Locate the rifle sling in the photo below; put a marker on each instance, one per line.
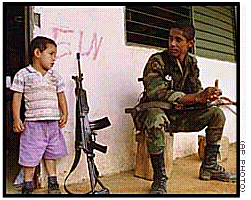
(74, 165)
(154, 104)
(168, 106)
(146, 105)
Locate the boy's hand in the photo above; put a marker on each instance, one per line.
(63, 121)
(18, 126)
(63, 108)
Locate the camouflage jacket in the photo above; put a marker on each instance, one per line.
(166, 80)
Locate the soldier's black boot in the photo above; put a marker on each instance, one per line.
(210, 170)
(27, 187)
(159, 174)
(53, 187)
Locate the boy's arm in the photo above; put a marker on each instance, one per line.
(16, 106)
(63, 107)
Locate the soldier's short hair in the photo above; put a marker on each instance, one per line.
(186, 26)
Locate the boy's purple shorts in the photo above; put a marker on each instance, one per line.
(41, 139)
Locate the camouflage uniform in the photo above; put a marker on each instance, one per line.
(164, 80)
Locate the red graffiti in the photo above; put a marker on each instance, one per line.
(94, 44)
(58, 30)
(60, 36)
(64, 46)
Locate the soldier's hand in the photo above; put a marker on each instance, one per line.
(209, 94)
(218, 91)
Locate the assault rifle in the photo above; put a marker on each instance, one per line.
(85, 136)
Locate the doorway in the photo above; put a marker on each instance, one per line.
(16, 40)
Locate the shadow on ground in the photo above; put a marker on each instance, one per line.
(184, 180)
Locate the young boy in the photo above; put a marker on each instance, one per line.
(45, 113)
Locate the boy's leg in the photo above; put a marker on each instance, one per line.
(29, 173)
(56, 148)
(28, 180)
(53, 187)
(31, 150)
(50, 166)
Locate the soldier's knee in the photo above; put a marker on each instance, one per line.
(154, 111)
(220, 114)
(156, 119)
(218, 117)
(154, 129)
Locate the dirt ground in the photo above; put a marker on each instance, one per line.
(184, 180)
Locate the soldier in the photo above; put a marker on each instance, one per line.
(173, 76)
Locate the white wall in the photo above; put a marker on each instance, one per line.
(110, 72)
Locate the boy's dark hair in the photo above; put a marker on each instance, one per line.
(41, 43)
(186, 26)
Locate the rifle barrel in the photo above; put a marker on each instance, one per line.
(80, 75)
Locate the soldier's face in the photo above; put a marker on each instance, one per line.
(178, 44)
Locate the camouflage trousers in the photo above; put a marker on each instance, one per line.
(158, 120)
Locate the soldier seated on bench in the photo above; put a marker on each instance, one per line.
(173, 76)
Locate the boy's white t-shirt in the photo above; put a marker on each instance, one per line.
(40, 93)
